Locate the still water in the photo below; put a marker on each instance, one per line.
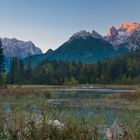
(81, 102)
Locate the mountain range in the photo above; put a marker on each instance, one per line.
(17, 48)
(83, 46)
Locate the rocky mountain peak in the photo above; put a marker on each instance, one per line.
(129, 27)
(17, 48)
(133, 41)
(96, 35)
(84, 34)
(81, 34)
(112, 32)
(120, 35)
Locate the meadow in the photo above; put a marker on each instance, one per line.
(65, 113)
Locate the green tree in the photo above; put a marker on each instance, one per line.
(2, 66)
(16, 74)
(4, 80)
(28, 71)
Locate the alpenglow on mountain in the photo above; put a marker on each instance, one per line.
(124, 36)
(20, 49)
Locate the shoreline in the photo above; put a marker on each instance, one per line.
(82, 86)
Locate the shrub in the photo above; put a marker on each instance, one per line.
(3, 82)
(71, 82)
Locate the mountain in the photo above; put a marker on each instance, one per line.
(49, 52)
(90, 47)
(82, 46)
(85, 47)
(123, 35)
(16, 48)
(35, 59)
(133, 41)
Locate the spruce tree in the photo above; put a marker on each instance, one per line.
(2, 67)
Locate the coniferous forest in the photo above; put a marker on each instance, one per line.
(122, 70)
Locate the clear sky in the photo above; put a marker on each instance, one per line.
(49, 23)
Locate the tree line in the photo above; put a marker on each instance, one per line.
(122, 70)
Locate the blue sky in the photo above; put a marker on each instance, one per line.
(49, 23)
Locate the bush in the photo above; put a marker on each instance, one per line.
(71, 82)
(138, 91)
(3, 82)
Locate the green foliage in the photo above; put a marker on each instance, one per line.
(3, 82)
(71, 82)
(138, 91)
(16, 72)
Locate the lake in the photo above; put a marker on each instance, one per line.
(81, 102)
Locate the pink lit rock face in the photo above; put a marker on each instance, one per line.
(130, 27)
(112, 33)
(118, 36)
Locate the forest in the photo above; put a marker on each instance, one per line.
(119, 70)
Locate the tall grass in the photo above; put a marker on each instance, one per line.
(18, 125)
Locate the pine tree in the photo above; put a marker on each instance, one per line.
(16, 71)
(28, 73)
(2, 67)
(12, 71)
